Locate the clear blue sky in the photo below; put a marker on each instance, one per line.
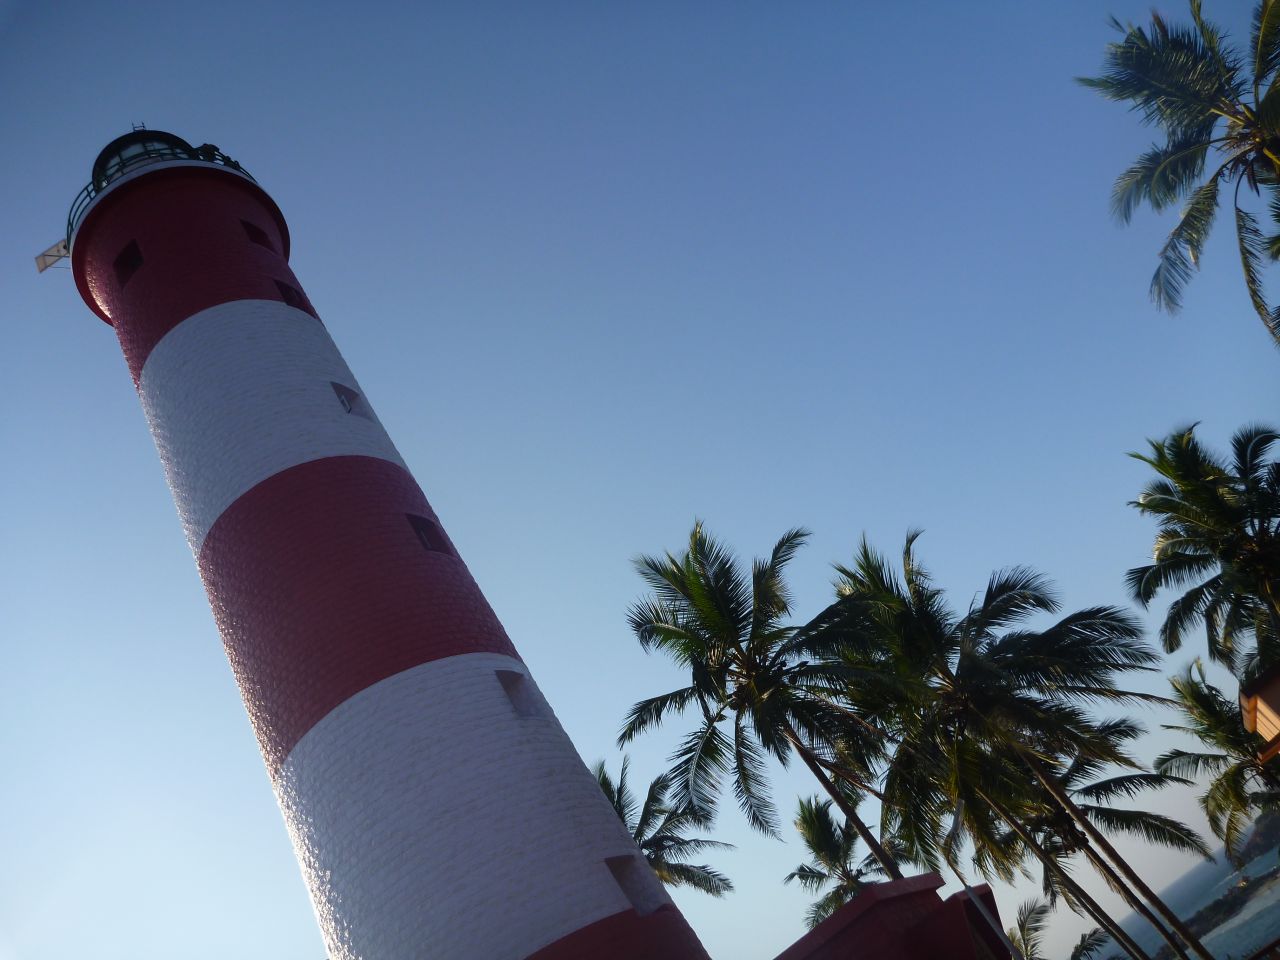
(602, 268)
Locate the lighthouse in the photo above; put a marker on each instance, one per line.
(436, 806)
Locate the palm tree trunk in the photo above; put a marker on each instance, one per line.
(1116, 883)
(1101, 917)
(850, 813)
(1098, 913)
(1095, 835)
(1091, 906)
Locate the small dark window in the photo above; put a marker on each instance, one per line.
(429, 533)
(519, 690)
(127, 262)
(351, 401)
(293, 296)
(257, 235)
(643, 891)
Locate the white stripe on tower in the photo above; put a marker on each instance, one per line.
(246, 389)
(436, 806)
(462, 859)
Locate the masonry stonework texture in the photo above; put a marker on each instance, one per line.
(436, 806)
(207, 385)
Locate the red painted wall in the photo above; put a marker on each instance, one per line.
(195, 252)
(321, 588)
(903, 920)
(659, 935)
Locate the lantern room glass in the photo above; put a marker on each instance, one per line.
(136, 149)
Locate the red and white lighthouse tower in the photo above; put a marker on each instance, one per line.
(436, 806)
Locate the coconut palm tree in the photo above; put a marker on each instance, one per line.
(991, 800)
(977, 704)
(1059, 835)
(660, 831)
(1218, 540)
(833, 860)
(1218, 110)
(755, 693)
(1241, 786)
(1059, 881)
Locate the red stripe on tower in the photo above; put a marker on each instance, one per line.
(353, 545)
(436, 806)
(183, 217)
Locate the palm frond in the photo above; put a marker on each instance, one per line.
(1253, 248)
(717, 592)
(1168, 75)
(1188, 765)
(1175, 569)
(699, 876)
(1161, 177)
(771, 598)
(1227, 805)
(1250, 445)
(1181, 251)
(1078, 656)
(654, 813)
(1028, 929)
(1264, 40)
(1197, 604)
(1127, 785)
(749, 784)
(670, 845)
(1090, 944)
(698, 764)
(829, 845)
(1011, 596)
(1267, 112)
(618, 792)
(1151, 827)
(649, 713)
(1226, 61)
(810, 879)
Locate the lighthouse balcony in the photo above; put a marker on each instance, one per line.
(126, 155)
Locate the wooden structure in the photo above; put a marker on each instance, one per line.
(1260, 708)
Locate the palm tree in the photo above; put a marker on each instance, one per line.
(1207, 99)
(1241, 786)
(1219, 537)
(755, 693)
(833, 860)
(1062, 883)
(977, 703)
(1059, 835)
(1027, 931)
(659, 830)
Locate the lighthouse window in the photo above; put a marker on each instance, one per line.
(519, 690)
(351, 400)
(257, 235)
(127, 262)
(429, 534)
(292, 296)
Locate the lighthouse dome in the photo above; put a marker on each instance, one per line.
(136, 148)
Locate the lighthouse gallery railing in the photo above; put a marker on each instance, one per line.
(155, 153)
